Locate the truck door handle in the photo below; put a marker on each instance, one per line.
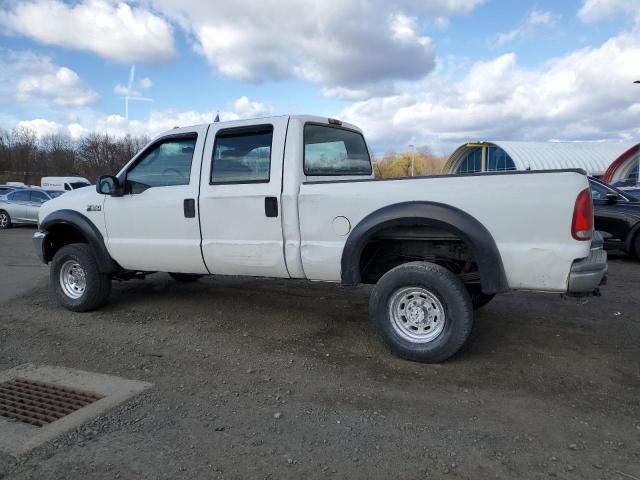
(271, 206)
(189, 208)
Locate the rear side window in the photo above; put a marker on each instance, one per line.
(20, 196)
(334, 151)
(242, 155)
(165, 164)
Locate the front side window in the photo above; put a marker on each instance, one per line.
(242, 155)
(335, 151)
(166, 164)
(38, 197)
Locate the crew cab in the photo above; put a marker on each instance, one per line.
(295, 197)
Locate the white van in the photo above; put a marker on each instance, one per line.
(63, 183)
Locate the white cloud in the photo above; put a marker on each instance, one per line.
(28, 76)
(43, 127)
(596, 10)
(344, 46)
(535, 21)
(567, 98)
(115, 31)
(135, 90)
(62, 85)
(157, 122)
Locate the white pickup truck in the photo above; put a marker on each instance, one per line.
(295, 197)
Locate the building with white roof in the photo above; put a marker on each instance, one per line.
(592, 157)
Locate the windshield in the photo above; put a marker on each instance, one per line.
(54, 193)
(75, 185)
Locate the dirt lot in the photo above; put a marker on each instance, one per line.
(275, 379)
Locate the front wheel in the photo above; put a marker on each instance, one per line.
(78, 284)
(422, 311)
(636, 246)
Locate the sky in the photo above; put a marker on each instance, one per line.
(429, 73)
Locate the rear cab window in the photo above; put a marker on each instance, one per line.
(334, 151)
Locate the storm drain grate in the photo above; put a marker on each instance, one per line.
(39, 403)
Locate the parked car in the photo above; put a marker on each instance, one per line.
(295, 197)
(617, 217)
(633, 191)
(5, 189)
(55, 193)
(63, 184)
(21, 206)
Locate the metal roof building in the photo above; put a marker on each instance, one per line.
(593, 157)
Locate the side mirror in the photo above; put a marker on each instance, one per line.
(613, 198)
(108, 185)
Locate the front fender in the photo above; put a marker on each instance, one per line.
(84, 227)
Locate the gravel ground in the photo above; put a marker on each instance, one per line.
(282, 379)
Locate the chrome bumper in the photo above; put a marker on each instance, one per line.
(38, 243)
(587, 274)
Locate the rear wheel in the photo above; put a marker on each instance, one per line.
(422, 311)
(5, 220)
(77, 282)
(185, 277)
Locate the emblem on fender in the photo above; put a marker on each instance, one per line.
(94, 208)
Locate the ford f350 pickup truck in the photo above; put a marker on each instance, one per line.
(295, 197)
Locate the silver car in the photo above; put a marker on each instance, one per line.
(21, 206)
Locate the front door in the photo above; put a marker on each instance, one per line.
(36, 199)
(240, 208)
(154, 225)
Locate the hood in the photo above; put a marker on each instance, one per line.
(77, 200)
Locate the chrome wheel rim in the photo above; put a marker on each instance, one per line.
(4, 220)
(73, 279)
(416, 314)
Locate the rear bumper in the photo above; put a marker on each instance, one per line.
(38, 243)
(587, 274)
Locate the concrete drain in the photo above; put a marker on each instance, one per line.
(39, 403)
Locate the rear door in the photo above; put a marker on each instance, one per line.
(240, 192)
(18, 201)
(154, 225)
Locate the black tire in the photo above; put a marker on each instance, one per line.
(97, 284)
(635, 246)
(479, 299)
(5, 220)
(440, 283)
(185, 277)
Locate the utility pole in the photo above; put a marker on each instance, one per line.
(413, 158)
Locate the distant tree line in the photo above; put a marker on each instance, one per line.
(400, 164)
(25, 157)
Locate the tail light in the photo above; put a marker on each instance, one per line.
(582, 223)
